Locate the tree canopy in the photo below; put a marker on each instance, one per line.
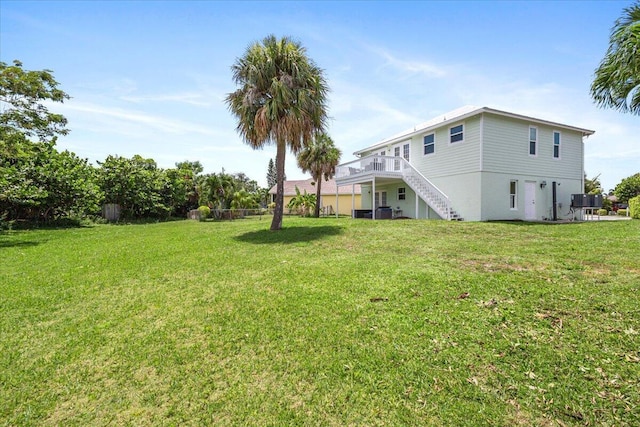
(617, 80)
(281, 100)
(320, 159)
(628, 188)
(21, 96)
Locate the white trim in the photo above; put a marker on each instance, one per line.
(434, 144)
(537, 141)
(481, 142)
(553, 145)
(449, 135)
(513, 196)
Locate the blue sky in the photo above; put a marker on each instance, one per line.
(150, 78)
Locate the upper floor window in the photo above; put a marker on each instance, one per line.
(456, 134)
(429, 144)
(405, 152)
(533, 140)
(556, 144)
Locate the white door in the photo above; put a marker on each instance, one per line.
(529, 201)
(381, 199)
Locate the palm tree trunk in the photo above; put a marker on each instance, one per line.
(318, 185)
(281, 151)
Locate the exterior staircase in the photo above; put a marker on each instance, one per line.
(433, 197)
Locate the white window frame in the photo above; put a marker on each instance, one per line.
(406, 151)
(432, 143)
(402, 195)
(559, 145)
(535, 142)
(513, 196)
(459, 133)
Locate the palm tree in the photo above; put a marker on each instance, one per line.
(281, 100)
(320, 159)
(617, 79)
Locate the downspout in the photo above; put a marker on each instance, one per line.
(554, 201)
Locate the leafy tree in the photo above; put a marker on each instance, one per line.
(21, 96)
(592, 186)
(136, 184)
(628, 188)
(38, 182)
(303, 202)
(281, 100)
(182, 187)
(320, 159)
(217, 190)
(271, 174)
(243, 200)
(617, 79)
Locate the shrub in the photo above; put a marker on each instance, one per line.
(602, 212)
(622, 212)
(634, 207)
(205, 211)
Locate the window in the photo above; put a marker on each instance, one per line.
(533, 140)
(456, 134)
(405, 152)
(513, 195)
(556, 144)
(429, 144)
(402, 193)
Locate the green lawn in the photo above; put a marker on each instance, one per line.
(328, 322)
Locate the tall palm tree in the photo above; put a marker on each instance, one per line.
(320, 159)
(281, 100)
(617, 80)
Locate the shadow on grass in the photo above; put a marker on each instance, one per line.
(530, 223)
(6, 242)
(289, 235)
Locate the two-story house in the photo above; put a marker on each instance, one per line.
(474, 163)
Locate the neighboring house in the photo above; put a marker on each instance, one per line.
(476, 164)
(348, 198)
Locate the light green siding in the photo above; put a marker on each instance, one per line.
(476, 173)
(506, 149)
(449, 159)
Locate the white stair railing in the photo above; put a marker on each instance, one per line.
(427, 191)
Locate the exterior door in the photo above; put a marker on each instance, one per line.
(381, 199)
(529, 201)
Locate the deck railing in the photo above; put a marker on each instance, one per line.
(389, 166)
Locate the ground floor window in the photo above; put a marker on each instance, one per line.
(513, 194)
(402, 193)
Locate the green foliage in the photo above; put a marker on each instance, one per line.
(205, 212)
(617, 79)
(137, 185)
(602, 212)
(304, 203)
(272, 178)
(37, 182)
(634, 207)
(243, 200)
(281, 99)
(21, 95)
(592, 186)
(622, 212)
(320, 158)
(628, 188)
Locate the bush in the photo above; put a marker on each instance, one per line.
(634, 207)
(622, 212)
(205, 211)
(602, 212)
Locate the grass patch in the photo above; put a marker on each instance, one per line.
(328, 322)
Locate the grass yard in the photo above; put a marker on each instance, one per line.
(331, 322)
